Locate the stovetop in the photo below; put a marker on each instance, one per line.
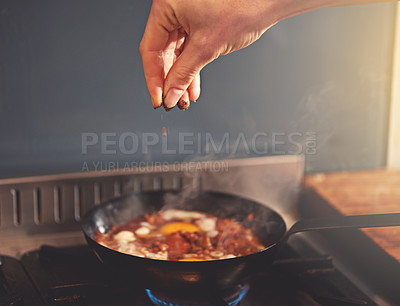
(42, 211)
(74, 276)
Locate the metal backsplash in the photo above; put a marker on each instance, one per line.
(48, 209)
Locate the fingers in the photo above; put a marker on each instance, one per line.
(169, 52)
(194, 88)
(171, 74)
(183, 72)
(184, 101)
(155, 39)
(180, 42)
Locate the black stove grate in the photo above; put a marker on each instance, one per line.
(16, 288)
(74, 276)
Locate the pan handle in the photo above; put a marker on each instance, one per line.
(359, 221)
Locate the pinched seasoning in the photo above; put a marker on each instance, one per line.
(181, 235)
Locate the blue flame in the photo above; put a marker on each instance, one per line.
(159, 302)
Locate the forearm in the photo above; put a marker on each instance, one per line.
(289, 8)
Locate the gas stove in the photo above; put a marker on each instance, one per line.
(74, 276)
(45, 261)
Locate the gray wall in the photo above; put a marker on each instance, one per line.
(72, 67)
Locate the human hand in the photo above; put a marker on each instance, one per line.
(181, 37)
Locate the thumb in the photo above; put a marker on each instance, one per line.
(189, 63)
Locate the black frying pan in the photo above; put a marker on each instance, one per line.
(174, 276)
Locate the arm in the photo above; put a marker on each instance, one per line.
(182, 36)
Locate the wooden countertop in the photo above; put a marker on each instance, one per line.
(364, 192)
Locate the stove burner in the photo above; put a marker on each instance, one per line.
(230, 296)
(74, 276)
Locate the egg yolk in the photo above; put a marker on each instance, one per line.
(191, 259)
(179, 226)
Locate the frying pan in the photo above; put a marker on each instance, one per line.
(177, 276)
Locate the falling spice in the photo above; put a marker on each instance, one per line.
(164, 131)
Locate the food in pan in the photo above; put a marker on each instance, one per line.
(182, 235)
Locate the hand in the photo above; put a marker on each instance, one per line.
(182, 36)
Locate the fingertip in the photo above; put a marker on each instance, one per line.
(156, 96)
(172, 97)
(184, 102)
(155, 104)
(167, 109)
(194, 88)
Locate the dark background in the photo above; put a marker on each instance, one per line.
(73, 67)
